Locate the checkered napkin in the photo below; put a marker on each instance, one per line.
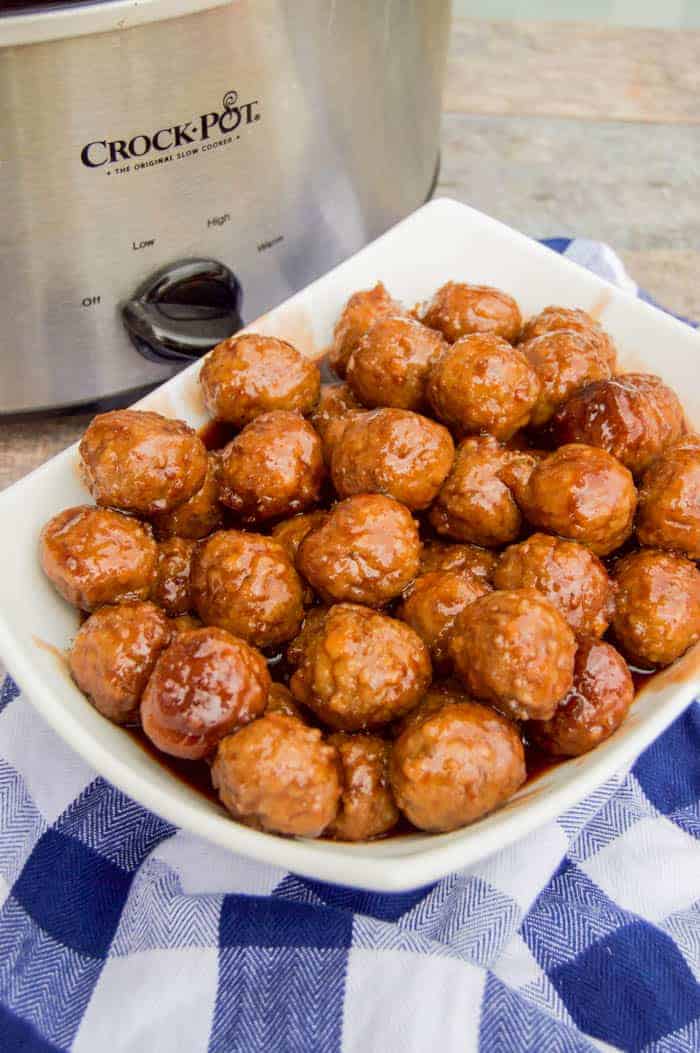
(119, 932)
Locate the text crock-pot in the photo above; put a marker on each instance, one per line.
(172, 167)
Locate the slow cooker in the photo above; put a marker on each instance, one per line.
(172, 168)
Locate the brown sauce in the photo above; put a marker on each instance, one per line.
(538, 763)
(216, 434)
(194, 774)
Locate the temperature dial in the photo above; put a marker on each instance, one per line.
(184, 310)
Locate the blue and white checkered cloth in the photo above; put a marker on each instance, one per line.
(120, 933)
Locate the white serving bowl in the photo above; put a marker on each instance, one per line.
(443, 240)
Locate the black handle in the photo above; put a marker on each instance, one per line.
(184, 310)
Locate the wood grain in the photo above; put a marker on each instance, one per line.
(632, 185)
(574, 70)
(25, 443)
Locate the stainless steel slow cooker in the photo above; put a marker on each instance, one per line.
(171, 168)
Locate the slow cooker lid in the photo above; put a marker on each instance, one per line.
(23, 22)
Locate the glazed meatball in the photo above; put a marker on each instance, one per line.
(442, 555)
(553, 318)
(273, 468)
(513, 649)
(395, 452)
(457, 310)
(245, 583)
(358, 669)
(569, 575)
(479, 500)
(482, 384)
(200, 515)
(290, 535)
(657, 606)
(456, 765)
(634, 416)
(367, 806)
(336, 406)
(278, 775)
(594, 708)
(360, 313)
(291, 532)
(564, 360)
(205, 685)
(247, 375)
(433, 604)
(390, 365)
(113, 656)
(584, 494)
(184, 623)
(368, 550)
(142, 462)
(440, 693)
(281, 700)
(668, 514)
(314, 620)
(94, 556)
(171, 589)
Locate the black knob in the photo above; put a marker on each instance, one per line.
(184, 310)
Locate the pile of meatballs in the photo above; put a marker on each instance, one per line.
(383, 587)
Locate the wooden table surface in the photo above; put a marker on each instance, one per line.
(556, 129)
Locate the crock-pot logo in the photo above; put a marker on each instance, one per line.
(207, 126)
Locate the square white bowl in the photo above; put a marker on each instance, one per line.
(443, 240)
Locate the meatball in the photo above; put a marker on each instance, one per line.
(634, 416)
(440, 693)
(313, 623)
(395, 452)
(336, 406)
(94, 556)
(290, 534)
(367, 806)
(358, 669)
(564, 360)
(482, 384)
(668, 514)
(456, 765)
(273, 468)
(278, 775)
(584, 494)
(569, 575)
(360, 313)
(513, 649)
(200, 515)
(441, 555)
(205, 685)
(457, 310)
(113, 656)
(245, 583)
(594, 708)
(142, 462)
(390, 365)
(281, 700)
(657, 606)
(368, 550)
(573, 318)
(434, 602)
(250, 374)
(478, 502)
(183, 623)
(171, 589)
